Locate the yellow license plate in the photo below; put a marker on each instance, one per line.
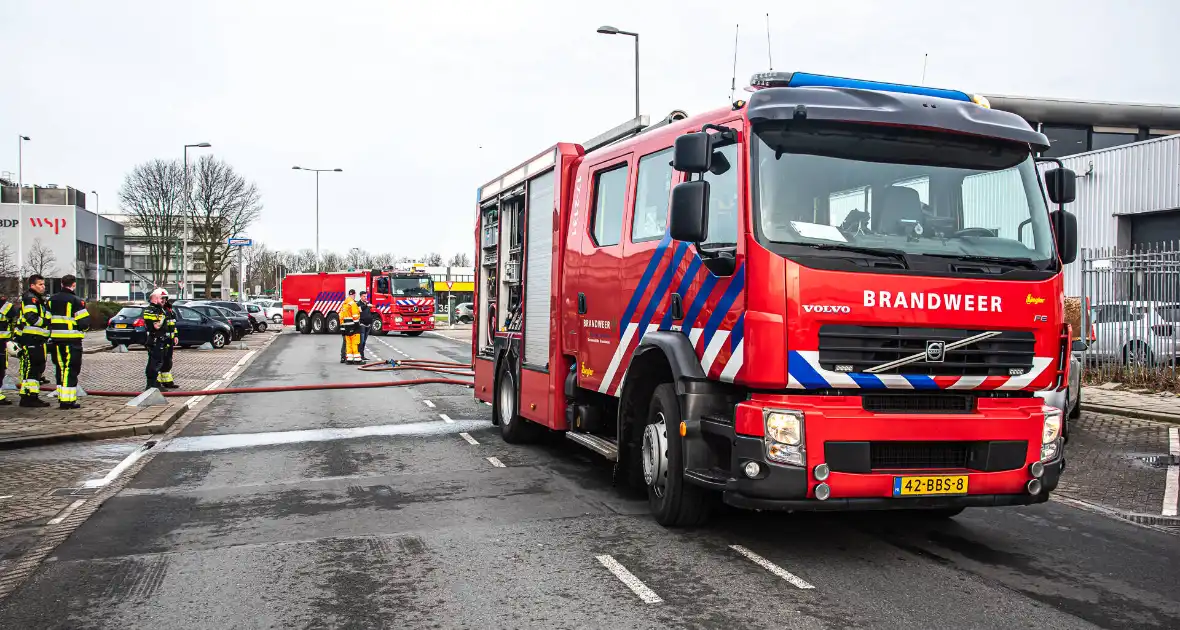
(943, 484)
(120, 325)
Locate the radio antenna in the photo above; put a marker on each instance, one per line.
(733, 79)
(769, 58)
(925, 58)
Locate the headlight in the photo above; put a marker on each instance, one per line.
(1052, 427)
(981, 100)
(785, 427)
(398, 319)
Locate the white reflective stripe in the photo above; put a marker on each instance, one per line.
(34, 330)
(711, 352)
(1022, 381)
(735, 362)
(624, 343)
(694, 335)
(82, 313)
(894, 381)
(968, 382)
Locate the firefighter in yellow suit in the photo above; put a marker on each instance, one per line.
(350, 321)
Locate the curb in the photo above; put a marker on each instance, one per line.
(159, 426)
(1167, 524)
(437, 335)
(1131, 412)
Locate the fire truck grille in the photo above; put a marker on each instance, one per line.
(844, 348)
(918, 403)
(912, 455)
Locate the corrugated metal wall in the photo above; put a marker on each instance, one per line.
(1131, 179)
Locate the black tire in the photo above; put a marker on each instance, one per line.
(302, 324)
(513, 428)
(375, 327)
(317, 323)
(261, 327)
(1137, 353)
(673, 501)
(333, 324)
(277, 319)
(414, 333)
(218, 339)
(464, 319)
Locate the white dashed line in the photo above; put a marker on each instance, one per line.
(772, 567)
(66, 512)
(445, 417)
(7, 496)
(627, 578)
(495, 461)
(428, 403)
(466, 436)
(1172, 478)
(487, 403)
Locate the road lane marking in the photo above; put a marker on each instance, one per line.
(7, 496)
(1172, 478)
(117, 470)
(772, 567)
(199, 443)
(445, 418)
(61, 516)
(428, 404)
(495, 461)
(629, 580)
(466, 436)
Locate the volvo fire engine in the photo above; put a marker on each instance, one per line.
(841, 294)
(402, 299)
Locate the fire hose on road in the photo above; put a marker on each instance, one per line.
(441, 367)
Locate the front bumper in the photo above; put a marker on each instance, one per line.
(1004, 439)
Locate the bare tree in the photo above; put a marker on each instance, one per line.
(153, 195)
(358, 259)
(41, 260)
(9, 272)
(224, 205)
(460, 260)
(330, 261)
(381, 261)
(303, 261)
(433, 259)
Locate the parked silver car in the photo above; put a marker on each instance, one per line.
(272, 308)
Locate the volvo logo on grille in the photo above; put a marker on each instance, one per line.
(935, 351)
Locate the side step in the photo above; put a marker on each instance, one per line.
(602, 446)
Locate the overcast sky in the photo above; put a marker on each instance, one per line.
(421, 102)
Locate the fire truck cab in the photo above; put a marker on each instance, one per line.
(841, 294)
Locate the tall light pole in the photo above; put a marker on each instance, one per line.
(188, 208)
(20, 207)
(610, 30)
(317, 172)
(97, 247)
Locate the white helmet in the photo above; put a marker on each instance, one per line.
(157, 296)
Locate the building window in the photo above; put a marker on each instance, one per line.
(1065, 140)
(1106, 140)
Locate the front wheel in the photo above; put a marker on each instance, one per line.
(261, 327)
(333, 324)
(302, 324)
(277, 319)
(375, 326)
(218, 340)
(673, 501)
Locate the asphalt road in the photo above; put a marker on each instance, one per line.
(377, 513)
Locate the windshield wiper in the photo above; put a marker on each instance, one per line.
(895, 254)
(1011, 262)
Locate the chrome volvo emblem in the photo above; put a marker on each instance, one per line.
(935, 351)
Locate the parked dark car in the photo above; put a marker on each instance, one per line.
(237, 308)
(194, 329)
(127, 327)
(239, 321)
(257, 316)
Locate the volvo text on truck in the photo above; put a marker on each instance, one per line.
(402, 299)
(840, 294)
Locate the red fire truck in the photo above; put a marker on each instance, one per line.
(841, 294)
(402, 299)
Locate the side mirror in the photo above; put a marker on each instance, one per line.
(1079, 346)
(1065, 229)
(693, 153)
(689, 214)
(1062, 185)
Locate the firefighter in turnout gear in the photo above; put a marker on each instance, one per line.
(68, 322)
(32, 333)
(165, 378)
(8, 315)
(350, 322)
(157, 337)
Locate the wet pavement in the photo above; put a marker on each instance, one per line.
(380, 514)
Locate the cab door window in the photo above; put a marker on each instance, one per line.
(652, 193)
(610, 200)
(723, 199)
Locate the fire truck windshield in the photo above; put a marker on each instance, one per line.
(907, 192)
(416, 286)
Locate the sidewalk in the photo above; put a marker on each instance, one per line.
(1163, 407)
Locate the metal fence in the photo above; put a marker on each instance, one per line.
(1132, 314)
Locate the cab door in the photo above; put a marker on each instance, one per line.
(599, 301)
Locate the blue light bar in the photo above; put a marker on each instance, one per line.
(804, 79)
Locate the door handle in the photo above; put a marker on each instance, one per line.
(581, 303)
(676, 307)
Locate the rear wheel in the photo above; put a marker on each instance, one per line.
(218, 339)
(317, 323)
(1137, 354)
(261, 327)
(277, 319)
(333, 324)
(302, 324)
(375, 327)
(513, 428)
(673, 501)
(464, 319)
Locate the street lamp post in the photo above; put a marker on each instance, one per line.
(97, 247)
(610, 30)
(188, 208)
(20, 207)
(317, 172)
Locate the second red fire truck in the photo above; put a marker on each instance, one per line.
(841, 294)
(402, 299)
